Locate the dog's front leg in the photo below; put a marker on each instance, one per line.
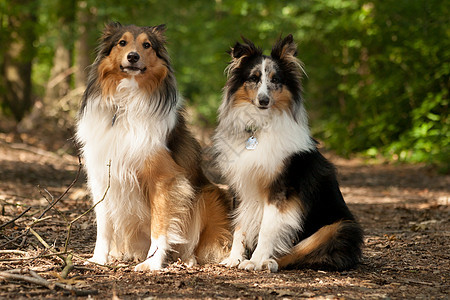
(237, 249)
(104, 236)
(275, 236)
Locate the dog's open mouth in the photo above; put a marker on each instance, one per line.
(132, 69)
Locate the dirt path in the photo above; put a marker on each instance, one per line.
(403, 209)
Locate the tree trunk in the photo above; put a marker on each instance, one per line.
(83, 49)
(17, 62)
(58, 86)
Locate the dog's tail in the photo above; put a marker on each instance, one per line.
(336, 246)
(215, 234)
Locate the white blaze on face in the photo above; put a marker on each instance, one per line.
(263, 89)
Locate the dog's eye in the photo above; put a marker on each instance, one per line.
(146, 45)
(123, 43)
(275, 80)
(253, 78)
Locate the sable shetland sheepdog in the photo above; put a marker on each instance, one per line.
(290, 211)
(135, 142)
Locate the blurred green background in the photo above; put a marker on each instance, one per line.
(378, 71)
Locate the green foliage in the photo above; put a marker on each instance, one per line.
(378, 71)
(391, 73)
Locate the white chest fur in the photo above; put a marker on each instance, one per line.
(123, 130)
(278, 136)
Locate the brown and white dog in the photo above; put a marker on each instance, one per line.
(290, 211)
(134, 140)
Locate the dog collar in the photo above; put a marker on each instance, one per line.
(252, 141)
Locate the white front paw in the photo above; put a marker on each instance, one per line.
(149, 264)
(251, 265)
(232, 261)
(98, 259)
(247, 265)
(190, 262)
(270, 264)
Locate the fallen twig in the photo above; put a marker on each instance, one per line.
(37, 279)
(47, 246)
(10, 275)
(410, 280)
(31, 149)
(12, 241)
(69, 227)
(19, 259)
(51, 201)
(68, 266)
(24, 233)
(13, 252)
(15, 219)
(80, 165)
(40, 239)
(51, 205)
(66, 256)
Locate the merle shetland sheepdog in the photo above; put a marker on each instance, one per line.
(290, 211)
(138, 150)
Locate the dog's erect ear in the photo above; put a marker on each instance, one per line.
(158, 31)
(106, 40)
(240, 52)
(244, 50)
(110, 29)
(159, 28)
(237, 50)
(284, 48)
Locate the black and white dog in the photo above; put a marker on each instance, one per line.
(290, 210)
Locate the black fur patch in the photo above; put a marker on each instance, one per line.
(312, 177)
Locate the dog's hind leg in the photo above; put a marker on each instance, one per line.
(215, 232)
(159, 233)
(170, 196)
(335, 246)
(160, 218)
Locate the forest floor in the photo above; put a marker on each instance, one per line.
(404, 210)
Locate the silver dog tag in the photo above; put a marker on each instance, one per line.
(251, 143)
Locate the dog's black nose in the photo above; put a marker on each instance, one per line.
(263, 100)
(133, 57)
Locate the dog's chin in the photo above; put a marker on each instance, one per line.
(131, 70)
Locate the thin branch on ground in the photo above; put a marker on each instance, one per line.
(80, 166)
(15, 219)
(51, 201)
(25, 233)
(37, 279)
(69, 227)
(68, 266)
(17, 259)
(13, 252)
(65, 255)
(12, 241)
(50, 206)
